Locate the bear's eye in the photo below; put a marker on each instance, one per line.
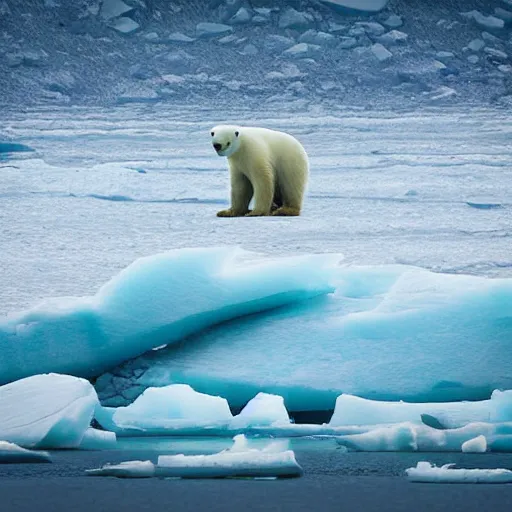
(212, 134)
(236, 134)
(227, 144)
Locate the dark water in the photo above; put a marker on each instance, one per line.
(333, 480)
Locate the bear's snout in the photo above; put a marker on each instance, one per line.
(217, 146)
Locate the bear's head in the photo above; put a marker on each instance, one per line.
(225, 139)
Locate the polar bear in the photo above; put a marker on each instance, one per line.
(272, 166)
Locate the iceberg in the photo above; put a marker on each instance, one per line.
(475, 445)
(422, 438)
(353, 410)
(178, 402)
(387, 333)
(156, 300)
(238, 461)
(262, 410)
(427, 472)
(95, 439)
(11, 453)
(128, 469)
(47, 411)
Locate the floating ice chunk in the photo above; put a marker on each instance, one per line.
(301, 50)
(444, 55)
(393, 37)
(427, 472)
(263, 410)
(292, 18)
(156, 406)
(207, 29)
(318, 38)
(503, 14)
(393, 21)
(47, 411)
(484, 21)
(113, 8)
(353, 410)
(505, 68)
(473, 59)
(156, 300)
(398, 438)
(475, 445)
(476, 45)
(359, 5)
(496, 54)
(347, 42)
(124, 25)
(95, 439)
(178, 37)
(230, 464)
(11, 453)
(237, 461)
(128, 469)
(381, 52)
(242, 16)
(415, 437)
(371, 27)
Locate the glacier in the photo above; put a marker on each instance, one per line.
(386, 333)
(155, 301)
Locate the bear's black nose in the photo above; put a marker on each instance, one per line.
(217, 146)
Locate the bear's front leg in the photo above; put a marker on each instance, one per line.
(263, 183)
(241, 193)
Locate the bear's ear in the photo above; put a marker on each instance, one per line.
(212, 134)
(237, 134)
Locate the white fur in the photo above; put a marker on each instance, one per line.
(270, 165)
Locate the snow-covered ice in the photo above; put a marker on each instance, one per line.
(47, 411)
(154, 301)
(11, 453)
(427, 472)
